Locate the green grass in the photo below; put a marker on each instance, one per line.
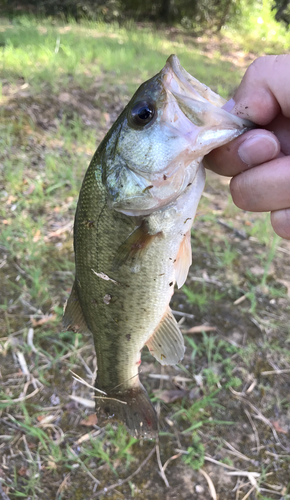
(256, 29)
(41, 54)
(46, 143)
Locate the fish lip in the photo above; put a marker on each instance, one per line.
(197, 100)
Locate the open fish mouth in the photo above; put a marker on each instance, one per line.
(202, 107)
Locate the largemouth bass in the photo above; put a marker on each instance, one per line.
(132, 233)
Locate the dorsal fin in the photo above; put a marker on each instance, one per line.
(167, 344)
(183, 260)
(73, 317)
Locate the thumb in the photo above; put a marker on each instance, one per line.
(280, 220)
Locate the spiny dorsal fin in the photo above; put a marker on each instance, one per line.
(134, 246)
(167, 344)
(73, 317)
(183, 260)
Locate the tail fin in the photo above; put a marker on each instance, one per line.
(133, 408)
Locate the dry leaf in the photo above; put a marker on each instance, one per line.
(51, 464)
(90, 420)
(23, 471)
(43, 320)
(199, 329)
(29, 190)
(277, 427)
(170, 395)
(37, 236)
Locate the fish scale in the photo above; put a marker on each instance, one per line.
(132, 234)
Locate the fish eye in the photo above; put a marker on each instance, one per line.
(142, 113)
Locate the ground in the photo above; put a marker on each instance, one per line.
(224, 410)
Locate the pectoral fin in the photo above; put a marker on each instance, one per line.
(167, 344)
(73, 318)
(134, 246)
(183, 260)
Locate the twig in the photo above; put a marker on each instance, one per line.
(120, 483)
(184, 315)
(161, 468)
(241, 234)
(276, 372)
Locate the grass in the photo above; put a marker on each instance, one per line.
(63, 86)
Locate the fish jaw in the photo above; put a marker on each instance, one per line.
(148, 168)
(213, 125)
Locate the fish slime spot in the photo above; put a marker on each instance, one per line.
(107, 299)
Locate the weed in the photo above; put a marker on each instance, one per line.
(195, 453)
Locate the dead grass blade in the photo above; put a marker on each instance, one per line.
(210, 484)
(249, 492)
(174, 457)
(82, 401)
(254, 428)
(82, 381)
(22, 398)
(276, 372)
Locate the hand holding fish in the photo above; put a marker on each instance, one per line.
(259, 161)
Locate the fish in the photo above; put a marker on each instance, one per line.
(132, 234)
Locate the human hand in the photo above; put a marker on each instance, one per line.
(259, 160)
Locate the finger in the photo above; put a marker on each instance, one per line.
(264, 90)
(263, 188)
(253, 148)
(280, 126)
(281, 223)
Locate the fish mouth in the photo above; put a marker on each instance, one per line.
(203, 107)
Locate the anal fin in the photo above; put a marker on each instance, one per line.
(167, 344)
(73, 317)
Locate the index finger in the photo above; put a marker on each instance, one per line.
(264, 90)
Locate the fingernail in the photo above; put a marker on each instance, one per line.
(228, 106)
(258, 149)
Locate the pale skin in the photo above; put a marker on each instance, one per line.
(259, 160)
